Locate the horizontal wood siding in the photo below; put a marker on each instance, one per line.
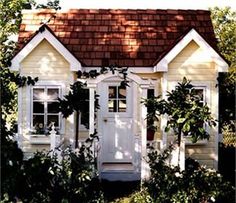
(195, 64)
(46, 63)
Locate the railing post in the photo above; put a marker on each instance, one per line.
(143, 110)
(53, 137)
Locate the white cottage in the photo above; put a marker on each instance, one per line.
(159, 47)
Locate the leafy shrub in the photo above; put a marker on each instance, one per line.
(141, 196)
(195, 184)
(45, 178)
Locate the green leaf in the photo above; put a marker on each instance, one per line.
(186, 127)
(167, 128)
(181, 120)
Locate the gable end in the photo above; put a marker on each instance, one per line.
(45, 33)
(192, 35)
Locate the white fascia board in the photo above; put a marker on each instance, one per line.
(75, 65)
(162, 65)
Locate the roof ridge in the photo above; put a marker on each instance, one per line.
(27, 11)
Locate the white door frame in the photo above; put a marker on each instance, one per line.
(143, 85)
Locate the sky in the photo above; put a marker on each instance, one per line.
(144, 4)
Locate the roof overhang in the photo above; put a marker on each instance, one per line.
(162, 65)
(45, 33)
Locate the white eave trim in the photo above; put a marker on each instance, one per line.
(75, 65)
(162, 66)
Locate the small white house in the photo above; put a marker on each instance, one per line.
(159, 47)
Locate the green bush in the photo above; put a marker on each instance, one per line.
(195, 184)
(45, 178)
(141, 196)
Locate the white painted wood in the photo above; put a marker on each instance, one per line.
(75, 65)
(91, 109)
(53, 140)
(164, 117)
(143, 111)
(130, 69)
(162, 66)
(117, 128)
(39, 139)
(20, 122)
(29, 98)
(109, 76)
(215, 109)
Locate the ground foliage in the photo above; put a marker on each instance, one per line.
(46, 178)
(194, 184)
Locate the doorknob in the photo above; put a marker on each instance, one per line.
(105, 120)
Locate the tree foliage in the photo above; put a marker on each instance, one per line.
(186, 114)
(11, 155)
(224, 23)
(194, 184)
(55, 4)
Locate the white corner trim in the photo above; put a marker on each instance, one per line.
(162, 66)
(75, 65)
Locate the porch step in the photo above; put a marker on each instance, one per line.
(106, 167)
(119, 172)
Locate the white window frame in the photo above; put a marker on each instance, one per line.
(206, 98)
(29, 102)
(45, 114)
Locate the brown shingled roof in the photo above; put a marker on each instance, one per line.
(122, 37)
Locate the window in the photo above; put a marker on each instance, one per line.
(117, 99)
(200, 91)
(45, 108)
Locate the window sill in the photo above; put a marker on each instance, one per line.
(189, 142)
(39, 139)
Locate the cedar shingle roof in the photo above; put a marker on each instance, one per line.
(122, 37)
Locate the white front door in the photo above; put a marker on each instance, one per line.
(116, 122)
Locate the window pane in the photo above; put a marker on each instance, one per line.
(38, 107)
(38, 93)
(122, 106)
(122, 92)
(52, 107)
(38, 121)
(199, 93)
(112, 106)
(53, 118)
(112, 92)
(53, 94)
(150, 93)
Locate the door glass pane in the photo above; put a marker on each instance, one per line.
(52, 118)
(122, 92)
(112, 106)
(53, 94)
(38, 107)
(53, 107)
(38, 94)
(112, 92)
(122, 106)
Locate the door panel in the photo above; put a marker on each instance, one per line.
(116, 122)
(117, 140)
